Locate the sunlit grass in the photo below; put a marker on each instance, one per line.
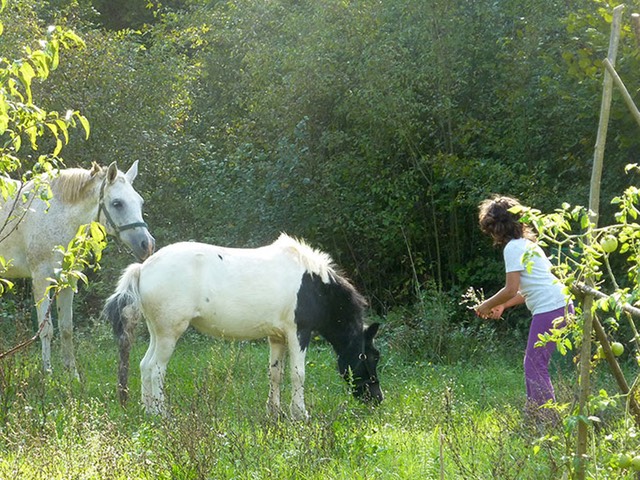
(462, 420)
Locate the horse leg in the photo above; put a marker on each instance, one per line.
(45, 325)
(145, 371)
(64, 301)
(296, 361)
(154, 372)
(276, 369)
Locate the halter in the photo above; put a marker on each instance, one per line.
(103, 208)
(372, 378)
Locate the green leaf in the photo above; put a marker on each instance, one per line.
(97, 231)
(74, 38)
(53, 127)
(58, 147)
(32, 133)
(26, 74)
(4, 122)
(40, 61)
(54, 53)
(85, 125)
(584, 221)
(62, 125)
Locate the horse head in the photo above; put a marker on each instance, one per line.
(120, 211)
(360, 368)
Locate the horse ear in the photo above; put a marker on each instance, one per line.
(112, 172)
(371, 331)
(132, 173)
(95, 169)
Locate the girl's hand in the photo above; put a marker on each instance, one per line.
(496, 312)
(482, 311)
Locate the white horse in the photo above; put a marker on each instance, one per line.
(30, 228)
(284, 291)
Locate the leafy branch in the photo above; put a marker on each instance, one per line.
(83, 252)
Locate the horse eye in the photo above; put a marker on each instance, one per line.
(116, 204)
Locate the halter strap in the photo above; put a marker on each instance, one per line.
(363, 358)
(102, 208)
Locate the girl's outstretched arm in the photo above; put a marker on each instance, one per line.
(506, 295)
(496, 312)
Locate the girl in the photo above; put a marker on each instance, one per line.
(529, 280)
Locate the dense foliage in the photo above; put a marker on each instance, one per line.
(372, 129)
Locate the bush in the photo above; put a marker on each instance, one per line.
(435, 329)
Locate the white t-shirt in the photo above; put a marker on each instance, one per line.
(541, 290)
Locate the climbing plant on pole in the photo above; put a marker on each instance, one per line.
(583, 264)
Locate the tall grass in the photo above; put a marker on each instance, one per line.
(459, 419)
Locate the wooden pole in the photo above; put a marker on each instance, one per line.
(582, 442)
(634, 407)
(605, 108)
(635, 23)
(586, 289)
(623, 90)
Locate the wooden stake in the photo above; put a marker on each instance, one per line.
(635, 22)
(623, 90)
(582, 442)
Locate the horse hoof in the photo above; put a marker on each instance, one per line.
(300, 416)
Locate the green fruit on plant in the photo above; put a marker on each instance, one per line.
(635, 462)
(617, 348)
(609, 243)
(624, 460)
(600, 352)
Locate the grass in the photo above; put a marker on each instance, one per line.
(461, 420)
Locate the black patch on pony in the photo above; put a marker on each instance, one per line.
(335, 310)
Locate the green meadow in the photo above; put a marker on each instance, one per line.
(458, 419)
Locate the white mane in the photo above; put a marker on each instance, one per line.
(70, 185)
(314, 261)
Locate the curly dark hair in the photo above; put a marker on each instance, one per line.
(501, 224)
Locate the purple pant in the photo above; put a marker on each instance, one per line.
(536, 359)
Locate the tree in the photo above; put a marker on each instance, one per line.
(22, 127)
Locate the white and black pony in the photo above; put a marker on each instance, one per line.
(284, 291)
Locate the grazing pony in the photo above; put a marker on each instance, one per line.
(283, 291)
(31, 226)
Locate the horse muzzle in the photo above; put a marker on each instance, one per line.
(369, 392)
(139, 241)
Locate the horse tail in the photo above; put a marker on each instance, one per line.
(123, 310)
